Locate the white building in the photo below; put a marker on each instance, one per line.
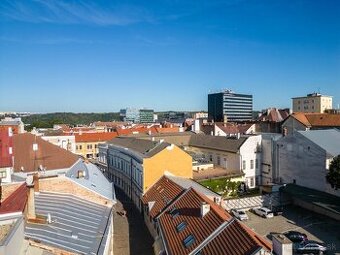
(304, 158)
(241, 153)
(67, 142)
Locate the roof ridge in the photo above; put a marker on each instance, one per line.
(217, 209)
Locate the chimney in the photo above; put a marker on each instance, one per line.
(30, 202)
(205, 208)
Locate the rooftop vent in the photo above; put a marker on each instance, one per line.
(205, 208)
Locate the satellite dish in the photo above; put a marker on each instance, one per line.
(29, 180)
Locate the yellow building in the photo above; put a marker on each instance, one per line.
(134, 165)
(314, 102)
(87, 143)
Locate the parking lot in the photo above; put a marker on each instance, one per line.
(315, 226)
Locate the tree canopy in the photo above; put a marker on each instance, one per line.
(333, 176)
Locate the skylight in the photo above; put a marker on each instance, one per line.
(189, 240)
(174, 212)
(181, 226)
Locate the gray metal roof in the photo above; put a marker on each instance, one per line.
(93, 179)
(188, 183)
(328, 139)
(146, 148)
(10, 122)
(221, 143)
(77, 225)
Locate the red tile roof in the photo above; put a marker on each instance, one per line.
(274, 115)
(323, 119)
(317, 119)
(235, 239)
(188, 205)
(167, 129)
(48, 155)
(95, 137)
(16, 201)
(233, 128)
(139, 130)
(161, 193)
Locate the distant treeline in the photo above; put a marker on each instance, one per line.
(49, 119)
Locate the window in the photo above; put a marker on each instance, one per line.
(3, 174)
(251, 164)
(174, 212)
(252, 182)
(210, 158)
(76, 147)
(218, 160)
(189, 240)
(256, 163)
(80, 147)
(244, 165)
(181, 226)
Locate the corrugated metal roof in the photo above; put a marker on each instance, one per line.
(93, 179)
(328, 139)
(77, 225)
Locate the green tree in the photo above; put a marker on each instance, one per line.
(333, 176)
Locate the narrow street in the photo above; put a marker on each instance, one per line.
(131, 236)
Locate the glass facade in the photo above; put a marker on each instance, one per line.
(235, 107)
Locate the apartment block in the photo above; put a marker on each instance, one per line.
(314, 102)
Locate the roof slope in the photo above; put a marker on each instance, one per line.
(16, 201)
(95, 137)
(188, 206)
(163, 192)
(77, 225)
(93, 179)
(217, 142)
(235, 239)
(146, 148)
(301, 117)
(48, 155)
(328, 139)
(323, 119)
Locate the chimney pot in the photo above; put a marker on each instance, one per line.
(205, 208)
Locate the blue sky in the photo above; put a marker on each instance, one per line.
(100, 56)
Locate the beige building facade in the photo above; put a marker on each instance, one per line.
(314, 102)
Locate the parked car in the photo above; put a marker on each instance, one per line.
(240, 214)
(312, 247)
(296, 236)
(277, 210)
(263, 212)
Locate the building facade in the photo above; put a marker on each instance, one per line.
(134, 165)
(304, 158)
(229, 106)
(67, 142)
(146, 116)
(241, 154)
(314, 102)
(6, 153)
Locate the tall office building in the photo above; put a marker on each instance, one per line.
(229, 106)
(146, 116)
(314, 102)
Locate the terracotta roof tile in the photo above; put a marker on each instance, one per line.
(323, 119)
(161, 194)
(95, 137)
(188, 205)
(48, 155)
(301, 117)
(16, 201)
(235, 239)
